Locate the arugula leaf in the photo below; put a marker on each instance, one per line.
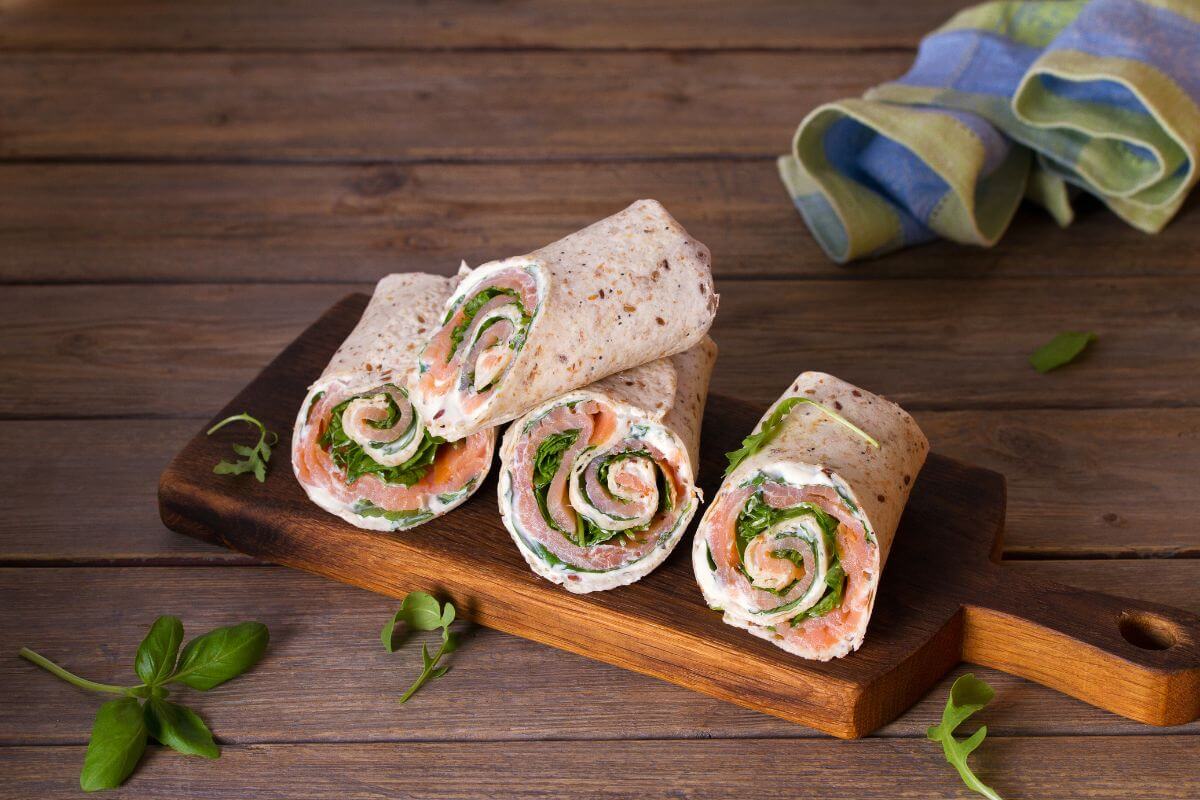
(122, 726)
(254, 459)
(835, 579)
(757, 441)
(179, 728)
(422, 612)
(406, 517)
(967, 695)
(221, 654)
(117, 743)
(1062, 349)
(355, 462)
(155, 659)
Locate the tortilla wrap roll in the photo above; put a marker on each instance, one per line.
(597, 486)
(359, 448)
(625, 291)
(792, 546)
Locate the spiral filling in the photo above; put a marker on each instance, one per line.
(592, 491)
(379, 433)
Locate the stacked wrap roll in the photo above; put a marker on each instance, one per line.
(360, 449)
(597, 486)
(628, 290)
(792, 546)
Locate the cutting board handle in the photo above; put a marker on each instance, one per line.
(1137, 659)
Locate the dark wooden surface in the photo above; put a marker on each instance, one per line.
(250, 153)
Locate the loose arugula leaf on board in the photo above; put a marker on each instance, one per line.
(117, 743)
(179, 728)
(422, 612)
(1062, 349)
(254, 459)
(221, 654)
(967, 695)
(757, 441)
(156, 654)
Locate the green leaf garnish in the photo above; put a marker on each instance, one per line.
(967, 695)
(1062, 349)
(422, 612)
(405, 518)
(757, 441)
(122, 726)
(254, 459)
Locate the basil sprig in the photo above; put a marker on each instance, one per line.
(123, 725)
(253, 459)
(422, 612)
(757, 441)
(354, 461)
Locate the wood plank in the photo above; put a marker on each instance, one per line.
(408, 106)
(1077, 484)
(1061, 768)
(356, 24)
(109, 471)
(184, 350)
(212, 223)
(501, 687)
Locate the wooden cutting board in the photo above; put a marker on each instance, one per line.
(943, 599)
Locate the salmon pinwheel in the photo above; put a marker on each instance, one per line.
(360, 449)
(597, 486)
(625, 291)
(792, 546)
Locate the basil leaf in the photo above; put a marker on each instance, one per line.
(421, 612)
(1062, 349)
(967, 695)
(770, 427)
(155, 660)
(117, 743)
(221, 654)
(179, 728)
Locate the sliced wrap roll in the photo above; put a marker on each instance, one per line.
(792, 546)
(623, 292)
(359, 448)
(597, 486)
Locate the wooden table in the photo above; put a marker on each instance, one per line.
(183, 187)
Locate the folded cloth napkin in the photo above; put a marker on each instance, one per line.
(1010, 99)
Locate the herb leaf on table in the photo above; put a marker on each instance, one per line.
(967, 695)
(420, 611)
(1062, 349)
(123, 725)
(254, 459)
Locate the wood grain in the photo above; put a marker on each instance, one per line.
(410, 106)
(1059, 768)
(930, 345)
(501, 687)
(379, 24)
(221, 223)
(944, 598)
(1093, 483)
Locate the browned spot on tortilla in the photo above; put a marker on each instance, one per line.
(660, 320)
(856, 393)
(629, 309)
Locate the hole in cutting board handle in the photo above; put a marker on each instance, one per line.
(1148, 631)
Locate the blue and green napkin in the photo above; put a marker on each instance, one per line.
(1010, 99)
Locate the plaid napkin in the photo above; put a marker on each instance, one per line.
(1011, 99)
